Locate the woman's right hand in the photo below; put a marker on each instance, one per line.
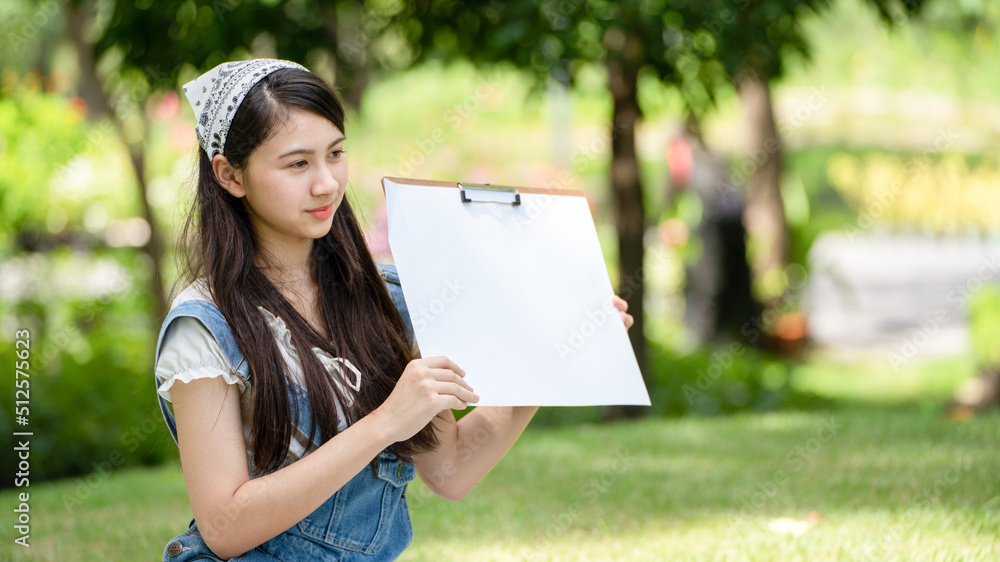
(428, 386)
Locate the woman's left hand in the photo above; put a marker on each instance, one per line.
(622, 306)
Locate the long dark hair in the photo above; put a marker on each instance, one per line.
(355, 306)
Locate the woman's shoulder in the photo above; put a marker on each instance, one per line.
(199, 291)
(196, 290)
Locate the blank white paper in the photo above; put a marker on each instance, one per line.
(518, 296)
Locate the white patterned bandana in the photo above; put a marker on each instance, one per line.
(216, 95)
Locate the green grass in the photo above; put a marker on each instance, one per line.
(877, 380)
(890, 484)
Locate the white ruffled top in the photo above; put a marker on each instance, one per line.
(189, 351)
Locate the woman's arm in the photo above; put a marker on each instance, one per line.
(471, 447)
(235, 513)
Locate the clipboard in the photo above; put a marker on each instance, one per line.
(511, 284)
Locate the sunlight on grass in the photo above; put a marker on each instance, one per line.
(888, 484)
(878, 380)
(128, 515)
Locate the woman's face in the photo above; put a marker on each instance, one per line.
(294, 182)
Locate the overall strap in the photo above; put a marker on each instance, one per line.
(391, 278)
(209, 315)
(212, 318)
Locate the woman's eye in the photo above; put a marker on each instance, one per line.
(298, 164)
(337, 153)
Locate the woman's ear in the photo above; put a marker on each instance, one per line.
(228, 177)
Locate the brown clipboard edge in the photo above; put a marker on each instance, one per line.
(433, 183)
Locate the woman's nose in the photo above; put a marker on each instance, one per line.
(326, 182)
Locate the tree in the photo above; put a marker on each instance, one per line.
(697, 47)
(329, 37)
(753, 42)
(624, 37)
(676, 43)
(156, 44)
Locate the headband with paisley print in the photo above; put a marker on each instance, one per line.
(216, 95)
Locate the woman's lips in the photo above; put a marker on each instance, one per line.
(322, 212)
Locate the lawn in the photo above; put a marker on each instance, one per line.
(889, 483)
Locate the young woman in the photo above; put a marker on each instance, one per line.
(302, 405)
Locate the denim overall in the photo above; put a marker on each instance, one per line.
(366, 519)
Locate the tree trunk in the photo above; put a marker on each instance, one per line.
(764, 214)
(355, 80)
(350, 60)
(154, 247)
(91, 89)
(76, 20)
(630, 216)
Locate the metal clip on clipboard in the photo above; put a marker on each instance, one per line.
(485, 186)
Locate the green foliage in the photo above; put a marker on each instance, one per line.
(92, 403)
(28, 31)
(726, 380)
(154, 37)
(723, 380)
(827, 211)
(172, 42)
(984, 324)
(39, 134)
(698, 47)
(677, 43)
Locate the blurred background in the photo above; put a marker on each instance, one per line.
(800, 200)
